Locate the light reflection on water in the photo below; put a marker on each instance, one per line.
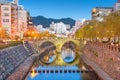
(33, 73)
(68, 55)
(56, 76)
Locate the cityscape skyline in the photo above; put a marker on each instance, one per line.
(62, 8)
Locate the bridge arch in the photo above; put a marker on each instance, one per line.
(47, 44)
(48, 52)
(68, 51)
(69, 44)
(58, 43)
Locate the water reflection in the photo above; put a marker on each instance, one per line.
(56, 73)
(68, 55)
(33, 73)
(49, 58)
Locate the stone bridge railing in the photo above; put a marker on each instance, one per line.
(106, 56)
(57, 42)
(105, 46)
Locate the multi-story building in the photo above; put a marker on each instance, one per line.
(59, 28)
(9, 18)
(67, 27)
(14, 19)
(22, 21)
(29, 20)
(78, 24)
(99, 12)
(39, 28)
(117, 6)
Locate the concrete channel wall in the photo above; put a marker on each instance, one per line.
(107, 57)
(12, 58)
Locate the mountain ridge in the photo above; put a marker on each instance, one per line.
(41, 20)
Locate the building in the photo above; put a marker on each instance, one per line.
(52, 26)
(9, 18)
(22, 21)
(14, 19)
(68, 27)
(29, 20)
(99, 12)
(16, 2)
(78, 23)
(117, 6)
(59, 28)
(39, 28)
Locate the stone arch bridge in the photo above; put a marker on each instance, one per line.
(58, 43)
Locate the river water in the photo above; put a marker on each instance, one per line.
(55, 73)
(73, 72)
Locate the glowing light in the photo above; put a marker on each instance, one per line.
(83, 68)
(33, 32)
(46, 58)
(33, 74)
(29, 32)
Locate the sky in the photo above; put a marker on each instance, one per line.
(76, 9)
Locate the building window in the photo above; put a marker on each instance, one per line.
(6, 14)
(5, 20)
(6, 8)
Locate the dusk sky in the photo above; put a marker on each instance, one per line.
(76, 9)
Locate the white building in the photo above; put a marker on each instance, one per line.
(22, 21)
(99, 12)
(59, 28)
(39, 28)
(78, 25)
(117, 6)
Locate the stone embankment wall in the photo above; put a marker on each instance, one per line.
(106, 56)
(11, 58)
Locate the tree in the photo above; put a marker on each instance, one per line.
(108, 28)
